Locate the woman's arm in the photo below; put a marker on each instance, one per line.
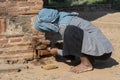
(55, 51)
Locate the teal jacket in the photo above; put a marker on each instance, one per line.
(50, 19)
(94, 41)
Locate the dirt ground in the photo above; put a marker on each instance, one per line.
(105, 70)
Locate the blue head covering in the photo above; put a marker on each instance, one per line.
(50, 19)
(48, 15)
(46, 20)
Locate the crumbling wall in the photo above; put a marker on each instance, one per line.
(17, 7)
(17, 27)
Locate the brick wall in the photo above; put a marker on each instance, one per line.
(17, 28)
(16, 7)
(2, 25)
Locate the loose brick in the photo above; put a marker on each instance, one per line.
(41, 47)
(43, 52)
(46, 42)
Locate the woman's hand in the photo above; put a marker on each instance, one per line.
(53, 51)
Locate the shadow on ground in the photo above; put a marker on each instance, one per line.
(105, 64)
(71, 60)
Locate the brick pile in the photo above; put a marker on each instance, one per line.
(40, 47)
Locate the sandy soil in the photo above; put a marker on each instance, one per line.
(107, 70)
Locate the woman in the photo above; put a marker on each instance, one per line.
(80, 38)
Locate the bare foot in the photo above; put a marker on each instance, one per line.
(84, 66)
(81, 68)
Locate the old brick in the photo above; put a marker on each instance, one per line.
(2, 25)
(20, 7)
(2, 36)
(36, 8)
(4, 41)
(7, 4)
(15, 40)
(41, 47)
(23, 4)
(46, 42)
(10, 4)
(43, 52)
(25, 51)
(34, 0)
(29, 12)
(2, 0)
(6, 46)
(2, 4)
(38, 37)
(3, 11)
(1, 52)
(17, 0)
(14, 35)
(23, 44)
(13, 52)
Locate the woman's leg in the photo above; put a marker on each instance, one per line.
(84, 66)
(73, 38)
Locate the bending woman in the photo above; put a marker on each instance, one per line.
(80, 38)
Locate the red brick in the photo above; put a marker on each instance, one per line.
(20, 51)
(1, 52)
(41, 47)
(8, 4)
(36, 8)
(2, 36)
(13, 52)
(28, 12)
(24, 51)
(6, 46)
(3, 41)
(43, 52)
(2, 4)
(15, 40)
(34, 0)
(23, 44)
(3, 11)
(2, 25)
(13, 36)
(16, 0)
(2, 0)
(11, 4)
(23, 4)
(20, 7)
